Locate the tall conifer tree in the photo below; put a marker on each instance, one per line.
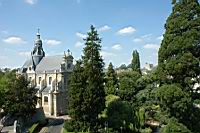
(94, 97)
(179, 54)
(111, 80)
(178, 59)
(135, 63)
(76, 92)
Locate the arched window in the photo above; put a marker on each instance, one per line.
(50, 80)
(46, 100)
(39, 80)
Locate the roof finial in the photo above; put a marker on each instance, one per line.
(38, 31)
(68, 52)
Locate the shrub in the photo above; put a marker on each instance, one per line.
(76, 126)
(146, 130)
(34, 127)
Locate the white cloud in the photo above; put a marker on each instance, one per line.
(24, 53)
(117, 47)
(147, 36)
(160, 37)
(137, 40)
(126, 30)
(31, 2)
(107, 54)
(79, 44)
(104, 28)
(52, 42)
(81, 35)
(14, 40)
(152, 46)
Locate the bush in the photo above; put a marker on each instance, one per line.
(34, 127)
(146, 130)
(76, 126)
(197, 101)
(174, 127)
(120, 114)
(109, 130)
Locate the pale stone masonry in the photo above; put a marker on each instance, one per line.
(50, 76)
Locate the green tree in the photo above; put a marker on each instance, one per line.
(135, 63)
(76, 92)
(173, 100)
(174, 127)
(120, 115)
(111, 84)
(178, 61)
(19, 99)
(94, 97)
(127, 85)
(178, 57)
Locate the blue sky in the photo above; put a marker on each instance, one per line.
(123, 25)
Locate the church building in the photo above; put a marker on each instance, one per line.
(49, 75)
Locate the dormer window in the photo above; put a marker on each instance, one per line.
(39, 80)
(50, 80)
(68, 66)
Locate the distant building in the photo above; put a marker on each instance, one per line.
(147, 68)
(49, 75)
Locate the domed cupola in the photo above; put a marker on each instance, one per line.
(69, 60)
(38, 41)
(38, 52)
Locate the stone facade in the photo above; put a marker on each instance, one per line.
(50, 76)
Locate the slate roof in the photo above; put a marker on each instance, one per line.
(49, 64)
(27, 64)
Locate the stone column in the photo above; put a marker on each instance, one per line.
(50, 99)
(55, 95)
(39, 102)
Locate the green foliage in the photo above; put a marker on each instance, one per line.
(197, 101)
(174, 101)
(178, 65)
(120, 114)
(77, 91)
(141, 117)
(94, 97)
(33, 128)
(111, 98)
(108, 130)
(135, 64)
(18, 98)
(146, 96)
(111, 84)
(174, 127)
(179, 52)
(76, 126)
(127, 85)
(146, 130)
(87, 94)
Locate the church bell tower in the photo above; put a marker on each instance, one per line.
(38, 52)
